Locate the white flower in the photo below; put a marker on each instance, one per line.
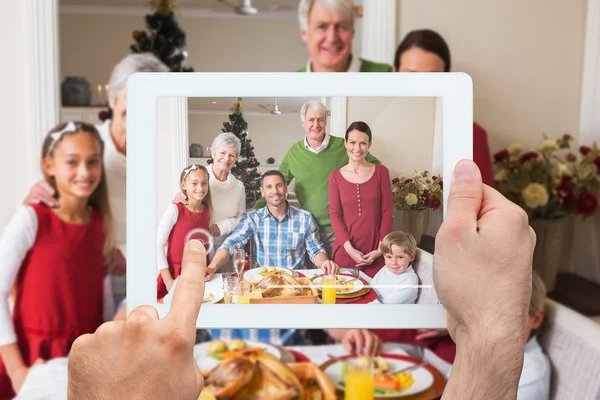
(548, 145)
(563, 169)
(535, 195)
(395, 189)
(587, 171)
(515, 149)
(501, 176)
(411, 199)
(417, 177)
(436, 187)
(402, 178)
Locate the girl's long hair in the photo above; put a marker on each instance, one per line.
(99, 197)
(207, 200)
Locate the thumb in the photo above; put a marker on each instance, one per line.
(464, 198)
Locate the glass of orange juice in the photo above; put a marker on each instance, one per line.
(243, 292)
(230, 286)
(328, 288)
(359, 379)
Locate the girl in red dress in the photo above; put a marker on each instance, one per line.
(54, 258)
(360, 205)
(177, 221)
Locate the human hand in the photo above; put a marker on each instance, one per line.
(329, 267)
(144, 356)
(371, 257)
(18, 376)
(356, 255)
(117, 264)
(424, 334)
(361, 342)
(179, 198)
(210, 273)
(43, 193)
(215, 231)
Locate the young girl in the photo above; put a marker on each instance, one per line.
(177, 221)
(54, 258)
(396, 278)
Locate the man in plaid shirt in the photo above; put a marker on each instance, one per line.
(283, 236)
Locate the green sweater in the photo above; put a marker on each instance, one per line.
(311, 173)
(367, 66)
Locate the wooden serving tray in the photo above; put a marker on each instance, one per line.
(312, 299)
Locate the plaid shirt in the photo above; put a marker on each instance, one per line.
(278, 243)
(278, 337)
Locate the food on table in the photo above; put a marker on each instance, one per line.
(253, 374)
(385, 382)
(208, 297)
(380, 365)
(271, 269)
(216, 347)
(236, 345)
(206, 395)
(280, 283)
(256, 294)
(262, 271)
(404, 379)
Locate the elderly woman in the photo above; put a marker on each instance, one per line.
(327, 27)
(227, 192)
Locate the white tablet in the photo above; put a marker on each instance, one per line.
(409, 115)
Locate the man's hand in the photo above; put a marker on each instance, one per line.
(361, 342)
(215, 231)
(179, 198)
(117, 264)
(329, 267)
(210, 273)
(482, 275)
(43, 193)
(144, 357)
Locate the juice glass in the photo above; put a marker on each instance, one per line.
(328, 288)
(243, 292)
(359, 379)
(229, 287)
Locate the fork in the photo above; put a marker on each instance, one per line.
(406, 369)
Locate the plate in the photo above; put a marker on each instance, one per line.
(358, 284)
(218, 293)
(252, 275)
(422, 376)
(207, 362)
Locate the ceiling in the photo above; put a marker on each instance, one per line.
(287, 105)
(211, 6)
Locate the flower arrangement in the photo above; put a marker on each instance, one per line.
(551, 181)
(417, 192)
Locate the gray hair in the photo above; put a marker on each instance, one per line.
(138, 62)
(316, 106)
(538, 294)
(338, 7)
(226, 139)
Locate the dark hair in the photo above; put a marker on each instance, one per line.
(427, 40)
(361, 127)
(271, 172)
(99, 197)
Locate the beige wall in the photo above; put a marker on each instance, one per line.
(402, 129)
(525, 58)
(91, 45)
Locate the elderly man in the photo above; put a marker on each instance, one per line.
(283, 234)
(327, 27)
(113, 132)
(309, 162)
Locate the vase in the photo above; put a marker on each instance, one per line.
(549, 254)
(413, 221)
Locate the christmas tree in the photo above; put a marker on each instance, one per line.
(165, 40)
(245, 168)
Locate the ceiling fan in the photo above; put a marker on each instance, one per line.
(273, 108)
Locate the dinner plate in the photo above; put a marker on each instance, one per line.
(217, 292)
(207, 362)
(252, 275)
(422, 377)
(358, 284)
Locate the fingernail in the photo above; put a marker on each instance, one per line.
(464, 171)
(195, 245)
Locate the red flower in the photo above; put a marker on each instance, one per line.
(434, 178)
(565, 179)
(441, 183)
(408, 180)
(597, 162)
(584, 150)
(501, 156)
(209, 161)
(587, 204)
(566, 196)
(571, 157)
(396, 180)
(528, 156)
(435, 203)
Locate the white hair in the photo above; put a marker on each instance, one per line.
(538, 294)
(138, 62)
(338, 7)
(316, 106)
(226, 139)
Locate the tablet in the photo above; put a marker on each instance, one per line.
(414, 118)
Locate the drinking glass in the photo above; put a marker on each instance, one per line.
(243, 292)
(359, 379)
(328, 289)
(239, 261)
(230, 286)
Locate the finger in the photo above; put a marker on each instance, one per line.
(465, 196)
(347, 344)
(369, 343)
(379, 346)
(190, 289)
(360, 342)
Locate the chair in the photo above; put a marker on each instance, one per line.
(423, 266)
(572, 343)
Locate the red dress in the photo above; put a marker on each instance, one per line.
(59, 289)
(186, 221)
(361, 213)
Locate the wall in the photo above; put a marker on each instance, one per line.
(402, 129)
(91, 45)
(525, 58)
(167, 184)
(15, 151)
